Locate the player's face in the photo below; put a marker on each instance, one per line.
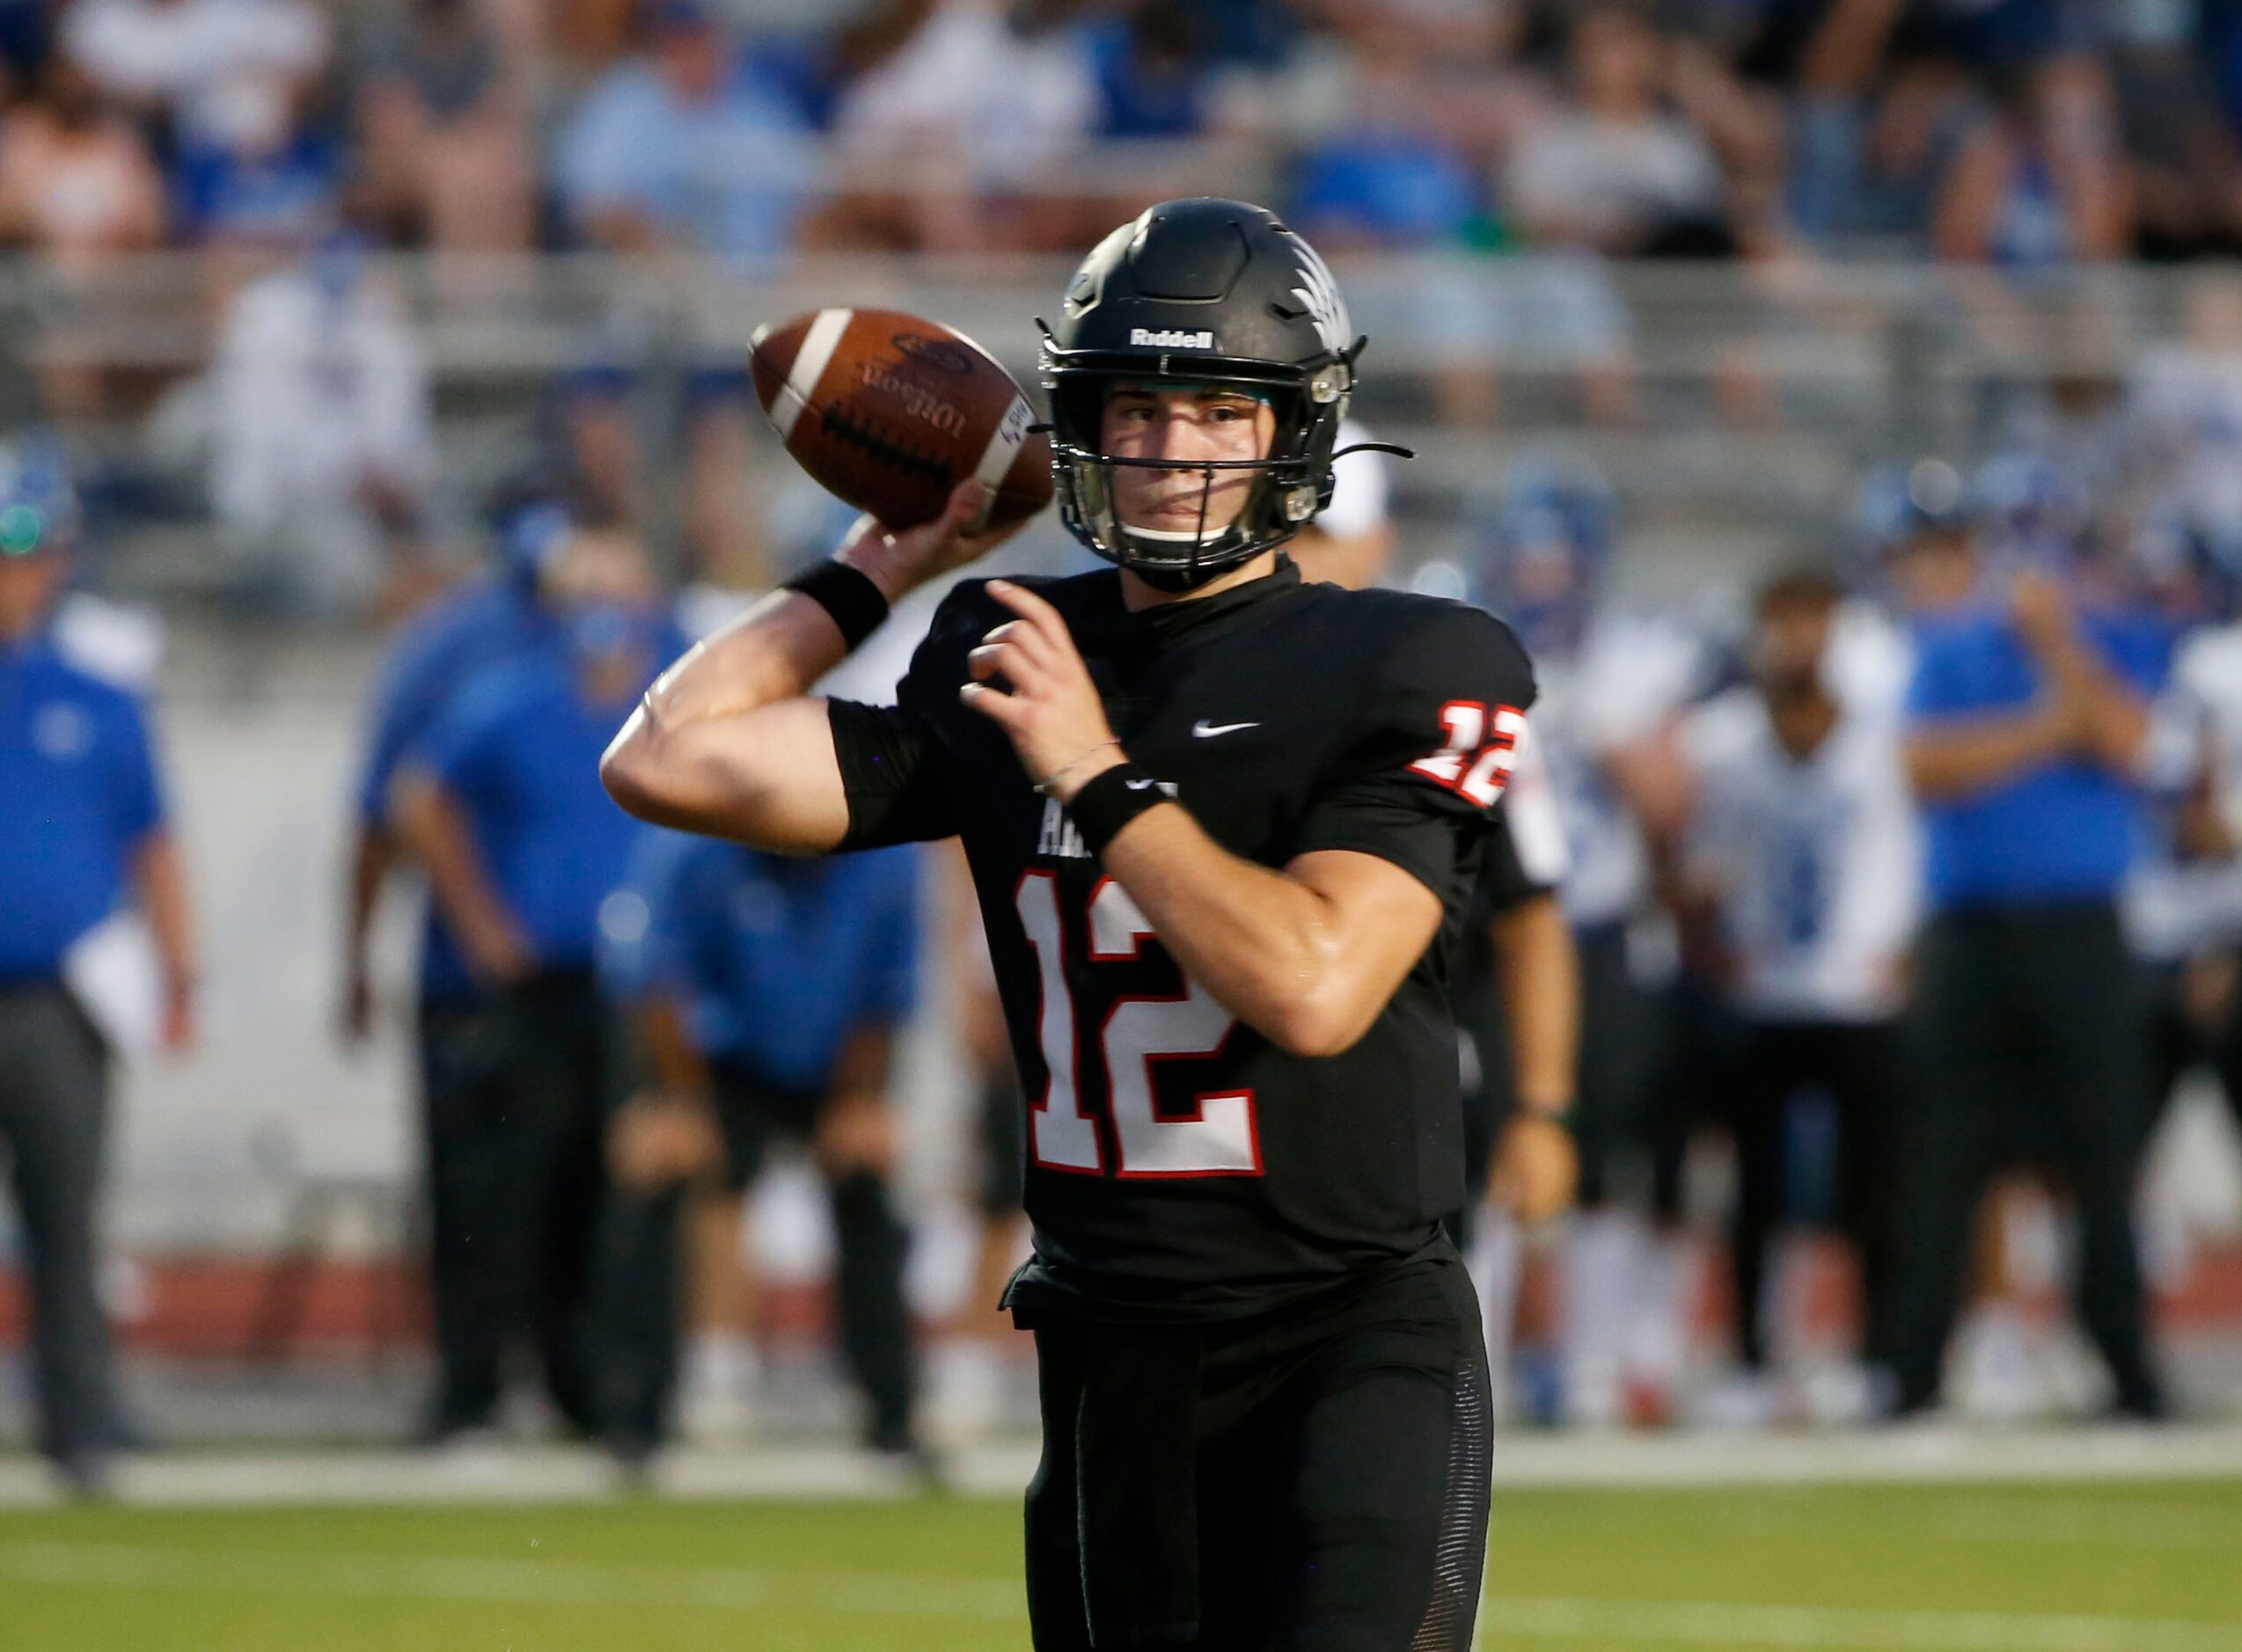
(1935, 570)
(1191, 427)
(27, 585)
(1787, 653)
(601, 565)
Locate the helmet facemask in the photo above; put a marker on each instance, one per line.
(1289, 483)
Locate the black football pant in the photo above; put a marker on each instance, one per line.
(1490, 1100)
(512, 1092)
(54, 1113)
(1340, 1475)
(1858, 1064)
(2027, 1031)
(1631, 1112)
(2179, 1041)
(641, 1309)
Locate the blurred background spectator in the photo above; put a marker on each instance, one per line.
(322, 444)
(446, 146)
(97, 954)
(76, 182)
(1616, 170)
(684, 146)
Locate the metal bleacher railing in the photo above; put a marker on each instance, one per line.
(1733, 404)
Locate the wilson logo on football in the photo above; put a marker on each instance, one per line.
(1171, 339)
(920, 402)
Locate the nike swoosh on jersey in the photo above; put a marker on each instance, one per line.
(1140, 785)
(1205, 730)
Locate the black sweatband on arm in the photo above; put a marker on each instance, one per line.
(846, 593)
(1110, 800)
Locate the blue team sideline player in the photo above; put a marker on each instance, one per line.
(83, 831)
(765, 993)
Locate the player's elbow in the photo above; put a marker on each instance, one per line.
(1316, 1022)
(629, 777)
(642, 783)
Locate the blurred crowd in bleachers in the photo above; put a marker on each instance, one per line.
(2021, 132)
(291, 397)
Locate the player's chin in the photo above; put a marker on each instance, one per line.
(1185, 516)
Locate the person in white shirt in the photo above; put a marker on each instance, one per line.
(323, 430)
(1611, 680)
(1798, 886)
(1350, 541)
(228, 73)
(2182, 899)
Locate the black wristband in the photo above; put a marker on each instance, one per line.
(1110, 800)
(846, 593)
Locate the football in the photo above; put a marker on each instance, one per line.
(889, 412)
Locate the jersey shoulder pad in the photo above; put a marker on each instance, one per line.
(1441, 685)
(1420, 648)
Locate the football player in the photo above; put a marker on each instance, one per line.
(1612, 677)
(1222, 825)
(1798, 865)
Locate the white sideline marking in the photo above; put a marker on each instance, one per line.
(555, 1474)
(438, 1577)
(1686, 1623)
(1504, 1621)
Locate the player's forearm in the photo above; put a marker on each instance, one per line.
(2118, 726)
(1540, 989)
(724, 741)
(1949, 764)
(164, 902)
(432, 825)
(370, 859)
(1272, 950)
(667, 1050)
(727, 742)
(866, 1055)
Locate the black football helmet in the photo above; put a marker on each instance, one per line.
(1199, 292)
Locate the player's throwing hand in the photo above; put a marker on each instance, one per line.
(1053, 712)
(898, 560)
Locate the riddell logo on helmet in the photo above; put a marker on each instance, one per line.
(1171, 339)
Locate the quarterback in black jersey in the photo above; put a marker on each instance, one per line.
(1223, 825)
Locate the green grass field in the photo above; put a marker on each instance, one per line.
(2085, 1568)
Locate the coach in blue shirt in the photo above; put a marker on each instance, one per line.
(487, 621)
(767, 992)
(2026, 717)
(82, 834)
(490, 620)
(500, 801)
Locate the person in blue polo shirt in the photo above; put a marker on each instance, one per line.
(489, 619)
(2026, 714)
(83, 833)
(501, 802)
(767, 993)
(485, 621)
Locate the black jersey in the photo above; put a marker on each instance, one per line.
(1179, 1166)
